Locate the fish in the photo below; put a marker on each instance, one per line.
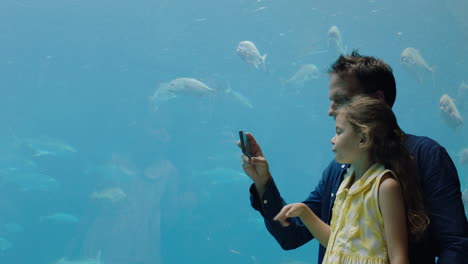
(185, 87)
(30, 181)
(113, 194)
(463, 156)
(239, 97)
(250, 54)
(305, 73)
(260, 9)
(47, 146)
(59, 218)
(9, 164)
(413, 61)
(96, 260)
(449, 112)
(179, 87)
(334, 38)
(234, 251)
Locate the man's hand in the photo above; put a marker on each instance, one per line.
(256, 167)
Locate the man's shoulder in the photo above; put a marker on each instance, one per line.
(332, 174)
(334, 170)
(424, 149)
(335, 166)
(414, 143)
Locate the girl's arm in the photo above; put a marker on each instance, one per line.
(319, 229)
(393, 212)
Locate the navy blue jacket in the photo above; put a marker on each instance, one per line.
(447, 234)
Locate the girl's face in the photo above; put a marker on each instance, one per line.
(346, 142)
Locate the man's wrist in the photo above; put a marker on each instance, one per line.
(262, 186)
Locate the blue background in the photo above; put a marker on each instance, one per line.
(80, 74)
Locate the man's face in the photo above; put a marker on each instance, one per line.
(341, 90)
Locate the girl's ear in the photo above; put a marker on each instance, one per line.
(365, 141)
(380, 95)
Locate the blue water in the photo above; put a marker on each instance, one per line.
(89, 165)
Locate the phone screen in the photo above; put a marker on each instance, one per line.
(245, 144)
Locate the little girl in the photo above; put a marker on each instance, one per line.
(378, 205)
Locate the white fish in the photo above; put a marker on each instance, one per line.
(61, 218)
(14, 164)
(304, 74)
(239, 97)
(113, 194)
(464, 157)
(450, 112)
(187, 87)
(334, 38)
(96, 260)
(413, 61)
(180, 87)
(260, 9)
(250, 54)
(47, 146)
(30, 181)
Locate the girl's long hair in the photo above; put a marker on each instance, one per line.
(387, 147)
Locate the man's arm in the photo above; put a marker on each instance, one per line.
(441, 190)
(296, 234)
(319, 229)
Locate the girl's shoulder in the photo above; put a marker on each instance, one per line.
(388, 183)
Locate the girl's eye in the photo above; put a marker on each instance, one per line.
(341, 100)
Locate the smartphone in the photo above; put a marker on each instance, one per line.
(245, 144)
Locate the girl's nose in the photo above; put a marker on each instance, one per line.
(331, 109)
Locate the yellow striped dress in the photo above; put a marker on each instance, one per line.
(357, 230)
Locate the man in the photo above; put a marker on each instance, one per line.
(447, 235)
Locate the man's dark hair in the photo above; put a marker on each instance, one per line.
(373, 74)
